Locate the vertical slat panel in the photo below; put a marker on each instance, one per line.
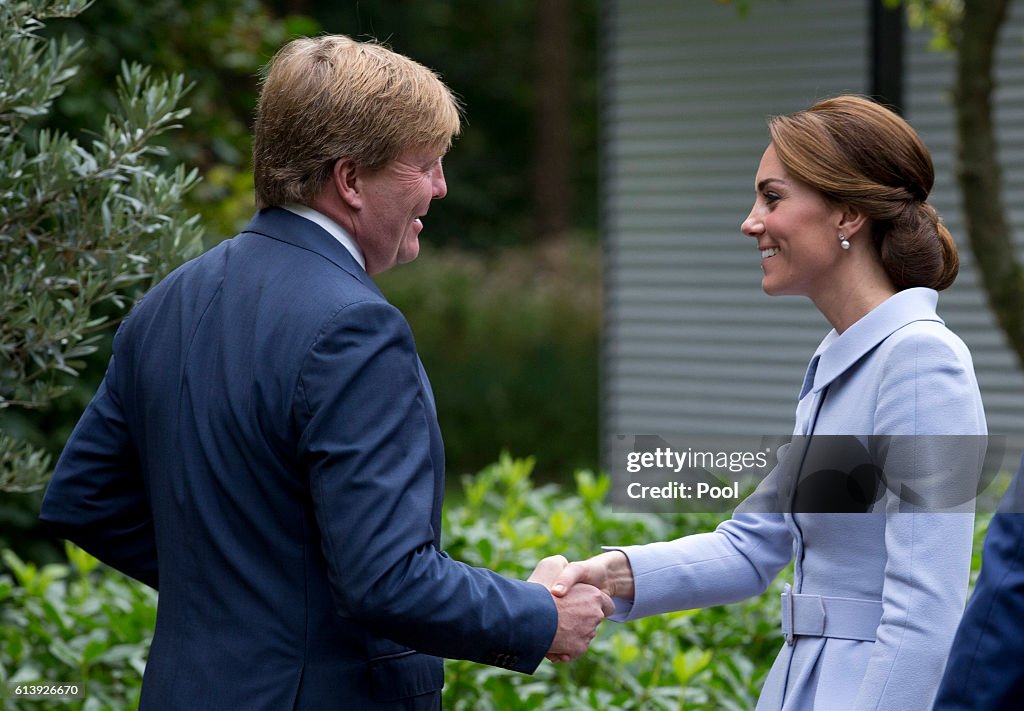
(691, 344)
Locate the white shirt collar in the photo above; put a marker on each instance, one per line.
(332, 227)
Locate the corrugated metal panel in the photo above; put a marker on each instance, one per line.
(692, 345)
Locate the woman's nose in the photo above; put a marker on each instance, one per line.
(753, 225)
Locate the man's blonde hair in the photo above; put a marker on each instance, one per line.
(330, 97)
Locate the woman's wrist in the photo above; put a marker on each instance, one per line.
(618, 574)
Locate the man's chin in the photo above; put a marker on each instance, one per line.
(410, 250)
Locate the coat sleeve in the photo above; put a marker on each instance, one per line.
(364, 439)
(927, 393)
(739, 559)
(96, 497)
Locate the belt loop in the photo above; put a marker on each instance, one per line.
(822, 616)
(787, 615)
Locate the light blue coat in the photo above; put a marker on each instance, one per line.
(897, 371)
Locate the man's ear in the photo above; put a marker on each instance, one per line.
(345, 177)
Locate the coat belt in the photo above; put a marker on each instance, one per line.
(821, 616)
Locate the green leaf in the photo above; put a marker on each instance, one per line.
(688, 664)
(24, 573)
(561, 524)
(486, 550)
(80, 559)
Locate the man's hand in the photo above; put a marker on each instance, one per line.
(580, 611)
(547, 570)
(610, 572)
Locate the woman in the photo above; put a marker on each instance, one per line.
(841, 217)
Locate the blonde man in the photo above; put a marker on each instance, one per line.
(264, 446)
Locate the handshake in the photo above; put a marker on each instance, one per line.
(583, 594)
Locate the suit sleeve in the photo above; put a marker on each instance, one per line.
(927, 398)
(365, 433)
(96, 497)
(984, 670)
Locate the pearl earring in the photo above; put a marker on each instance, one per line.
(843, 242)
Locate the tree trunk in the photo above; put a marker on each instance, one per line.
(978, 170)
(553, 145)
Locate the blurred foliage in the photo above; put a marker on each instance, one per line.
(941, 16)
(509, 340)
(710, 659)
(85, 622)
(85, 226)
(80, 623)
(218, 46)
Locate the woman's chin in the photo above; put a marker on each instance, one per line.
(776, 287)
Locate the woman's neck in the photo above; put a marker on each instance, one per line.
(854, 294)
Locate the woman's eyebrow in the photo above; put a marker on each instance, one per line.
(768, 181)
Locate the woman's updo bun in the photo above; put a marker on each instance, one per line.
(917, 249)
(858, 153)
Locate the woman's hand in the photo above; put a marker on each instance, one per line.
(609, 572)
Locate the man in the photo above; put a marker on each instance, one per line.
(985, 669)
(264, 445)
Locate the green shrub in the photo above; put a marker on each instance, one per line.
(86, 623)
(87, 224)
(715, 658)
(510, 341)
(81, 623)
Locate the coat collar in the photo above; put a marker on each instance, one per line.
(284, 226)
(837, 353)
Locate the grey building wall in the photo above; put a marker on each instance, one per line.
(691, 343)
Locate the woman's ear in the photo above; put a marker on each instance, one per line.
(345, 178)
(851, 221)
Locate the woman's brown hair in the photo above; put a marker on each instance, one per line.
(859, 153)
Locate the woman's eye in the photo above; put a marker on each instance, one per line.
(771, 198)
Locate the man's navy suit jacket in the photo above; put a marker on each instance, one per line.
(264, 448)
(985, 669)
